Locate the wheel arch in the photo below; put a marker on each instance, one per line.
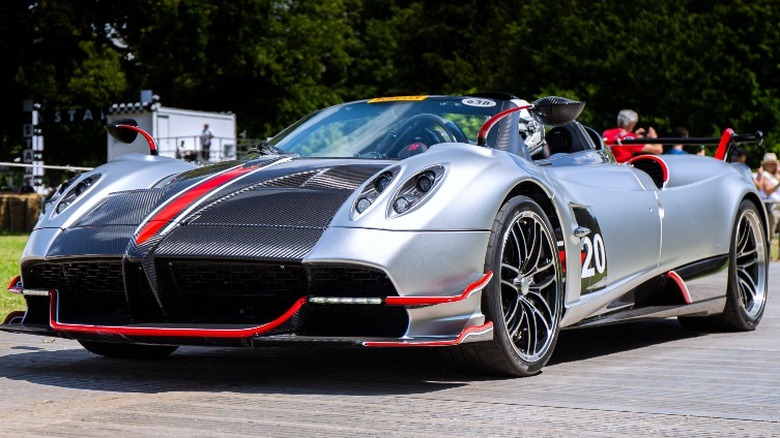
(756, 200)
(542, 197)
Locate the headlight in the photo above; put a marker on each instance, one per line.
(372, 190)
(415, 191)
(75, 191)
(57, 194)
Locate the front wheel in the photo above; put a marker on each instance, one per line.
(128, 351)
(524, 298)
(747, 280)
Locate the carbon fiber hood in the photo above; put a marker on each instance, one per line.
(276, 210)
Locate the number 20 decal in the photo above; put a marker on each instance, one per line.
(595, 256)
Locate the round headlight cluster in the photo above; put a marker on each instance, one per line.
(415, 190)
(425, 181)
(382, 181)
(369, 194)
(77, 190)
(411, 194)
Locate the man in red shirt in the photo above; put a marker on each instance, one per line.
(626, 120)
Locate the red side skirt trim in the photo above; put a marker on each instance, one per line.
(681, 284)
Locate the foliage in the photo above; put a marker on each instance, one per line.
(10, 251)
(703, 65)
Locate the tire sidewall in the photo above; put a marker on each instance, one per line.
(734, 303)
(492, 294)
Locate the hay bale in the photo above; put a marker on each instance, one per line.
(19, 212)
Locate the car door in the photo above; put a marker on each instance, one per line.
(619, 206)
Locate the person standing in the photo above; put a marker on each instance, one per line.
(626, 121)
(677, 149)
(768, 182)
(205, 142)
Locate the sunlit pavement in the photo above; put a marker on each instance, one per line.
(646, 379)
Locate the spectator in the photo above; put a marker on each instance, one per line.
(626, 121)
(205, 142)
(186, 154)
(768, 181)
(677, 149)
(738, 155)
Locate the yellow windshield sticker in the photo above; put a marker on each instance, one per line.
(397, 99)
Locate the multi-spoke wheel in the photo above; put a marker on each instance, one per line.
(524, 299)
(748, 276)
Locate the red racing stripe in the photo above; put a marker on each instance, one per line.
(180, 202)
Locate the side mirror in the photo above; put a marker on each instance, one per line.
(554, 110)
(127, 130)
(121, 133)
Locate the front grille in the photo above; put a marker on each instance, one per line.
(88, 291)
(220, 292)
(256, 293)
(213, 292)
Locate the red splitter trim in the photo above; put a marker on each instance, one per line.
(473, 330)
(681, 284)
(187, 198)
(15, 286)
(431, 300)
(168, 331)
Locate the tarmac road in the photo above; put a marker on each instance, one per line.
(646, 379)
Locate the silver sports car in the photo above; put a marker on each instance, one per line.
(481, 224)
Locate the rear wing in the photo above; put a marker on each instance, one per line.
(726, 142)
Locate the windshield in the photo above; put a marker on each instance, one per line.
(387, 127)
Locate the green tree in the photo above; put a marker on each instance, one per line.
(703, 65)
(61, 57)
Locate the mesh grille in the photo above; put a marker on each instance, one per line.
(257, 293)
(222, 292)
(88, 290)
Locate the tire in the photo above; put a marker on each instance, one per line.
(524, 298)
(128, 351)
(748, 280)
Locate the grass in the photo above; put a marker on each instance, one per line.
(11, 246)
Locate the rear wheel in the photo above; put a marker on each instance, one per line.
(748, 277)
(128, 351)
(524, 298)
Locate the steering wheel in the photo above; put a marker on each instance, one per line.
(421, 128)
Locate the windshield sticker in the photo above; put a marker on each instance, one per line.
(482, 103)
(397, 99)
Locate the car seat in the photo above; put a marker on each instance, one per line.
(568, 138)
